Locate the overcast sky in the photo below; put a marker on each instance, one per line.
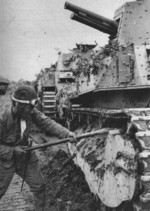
(32, 31)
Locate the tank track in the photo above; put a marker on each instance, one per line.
(136, 123)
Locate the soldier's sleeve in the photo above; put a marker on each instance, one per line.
(6, 152)
(49, 125)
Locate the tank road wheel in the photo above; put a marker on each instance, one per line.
(109, 165)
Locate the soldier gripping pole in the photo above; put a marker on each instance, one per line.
(66, 140)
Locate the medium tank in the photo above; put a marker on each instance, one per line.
(113, 95)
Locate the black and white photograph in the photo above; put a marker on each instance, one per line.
(74, 105)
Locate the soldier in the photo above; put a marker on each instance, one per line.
(15, 127)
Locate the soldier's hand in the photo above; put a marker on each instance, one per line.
(72, 136)
(20, 150)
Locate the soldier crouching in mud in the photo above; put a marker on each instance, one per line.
(13, 142)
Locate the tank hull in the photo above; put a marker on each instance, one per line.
(114, 99)
(113, 93)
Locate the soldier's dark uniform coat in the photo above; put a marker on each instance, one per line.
(10, 136)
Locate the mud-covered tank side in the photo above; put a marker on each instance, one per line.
(113, 95)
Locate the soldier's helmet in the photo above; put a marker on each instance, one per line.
(25, 94)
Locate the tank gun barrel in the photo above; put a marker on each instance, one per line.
(92, 17)
(92, 24)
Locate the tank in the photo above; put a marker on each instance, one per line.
(113, 94)
(64, 80)
(46, 90)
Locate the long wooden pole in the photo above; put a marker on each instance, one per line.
(85, 135)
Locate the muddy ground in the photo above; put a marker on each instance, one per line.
(66, 187)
